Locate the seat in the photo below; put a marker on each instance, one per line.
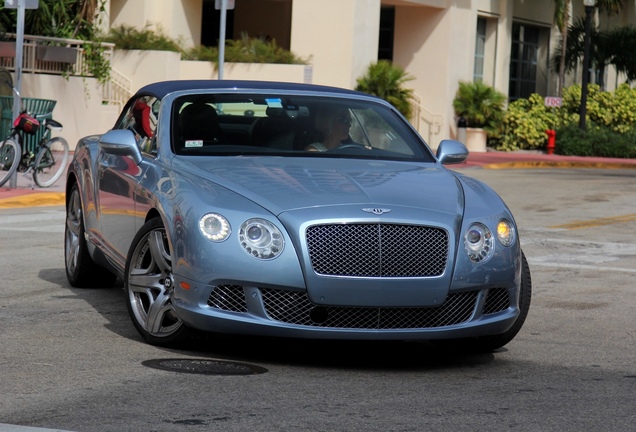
(276, 130)
(198, 122)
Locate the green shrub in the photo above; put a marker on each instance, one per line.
(244, 50)
(596, 141)
(480, 105)
(386, 80)
(614, 113)
(525, 123)
(129, 38)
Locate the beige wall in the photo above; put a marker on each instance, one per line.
(247, 71)
(145, 67)
(341, 37)
(179, 19)
(432, 50)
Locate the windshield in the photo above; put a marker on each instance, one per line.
(231, 124)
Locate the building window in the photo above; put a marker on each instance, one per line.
(524, 59)
(480, 50)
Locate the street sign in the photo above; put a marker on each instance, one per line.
(553, 102)
(28, 4)
(229, 4)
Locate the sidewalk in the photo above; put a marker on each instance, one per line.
(24, 196)
(529, 159)
(28, 194)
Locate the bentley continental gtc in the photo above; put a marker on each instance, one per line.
(290, 210)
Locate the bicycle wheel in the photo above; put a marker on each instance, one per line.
(50, 162)
(9, 159)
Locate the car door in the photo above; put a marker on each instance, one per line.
(118, 177)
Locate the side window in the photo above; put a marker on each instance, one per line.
(141, 119)
(371, 129)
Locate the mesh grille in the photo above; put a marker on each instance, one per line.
(497, 300)
(229, 298)
(377, 250)
(295, 308)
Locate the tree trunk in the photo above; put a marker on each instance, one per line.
(564, 41)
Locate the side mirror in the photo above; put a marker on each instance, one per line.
(451, 152)
(120, 142)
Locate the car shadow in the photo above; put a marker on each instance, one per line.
(371, 355)
(345, 354)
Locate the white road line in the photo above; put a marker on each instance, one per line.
(538, 262)
(35, 228)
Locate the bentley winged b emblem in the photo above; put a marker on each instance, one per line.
(376, 211)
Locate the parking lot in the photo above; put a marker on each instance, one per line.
(72, 360)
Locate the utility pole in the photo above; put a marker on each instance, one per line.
(223, 6)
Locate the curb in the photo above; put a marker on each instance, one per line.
(38, 199)
(557, 164)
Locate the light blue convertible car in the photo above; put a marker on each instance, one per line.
(290, 210)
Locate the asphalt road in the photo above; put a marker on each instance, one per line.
(70, 358)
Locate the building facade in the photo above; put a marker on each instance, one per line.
(508, 44)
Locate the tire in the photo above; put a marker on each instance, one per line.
(50, 162)
(10, 153)
(491, 343)
(149, 285)
(81, 270)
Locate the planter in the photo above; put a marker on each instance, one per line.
(476, 140)
(7, 49)
(56, 54)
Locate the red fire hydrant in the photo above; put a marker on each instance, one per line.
(551, 141)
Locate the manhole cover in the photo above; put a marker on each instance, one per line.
(204, 367)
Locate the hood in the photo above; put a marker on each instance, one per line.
(284, 184)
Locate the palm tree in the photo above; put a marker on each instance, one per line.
(603, 44)
(385, 80)
(562, 19)
(610, 7)
(609, 47)
(57, 18)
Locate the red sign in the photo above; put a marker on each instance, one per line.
(554, 102)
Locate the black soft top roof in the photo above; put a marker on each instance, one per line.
(160, 89)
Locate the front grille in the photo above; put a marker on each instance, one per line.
(296, 308)
(228, 298)
(377, 250)
(497, 300)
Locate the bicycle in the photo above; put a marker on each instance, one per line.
(49, 160)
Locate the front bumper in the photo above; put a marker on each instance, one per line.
(283, 312)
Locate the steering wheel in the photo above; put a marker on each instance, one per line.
(350, 145)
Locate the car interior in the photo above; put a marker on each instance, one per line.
(213, 124)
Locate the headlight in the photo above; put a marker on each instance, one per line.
(479, 243)
(261, 238)
(505, 232)
(214, 227)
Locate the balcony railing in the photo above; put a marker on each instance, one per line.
(53, 55)
(57, 56)
(427, 123)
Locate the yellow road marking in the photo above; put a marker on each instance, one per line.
(33, 200)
